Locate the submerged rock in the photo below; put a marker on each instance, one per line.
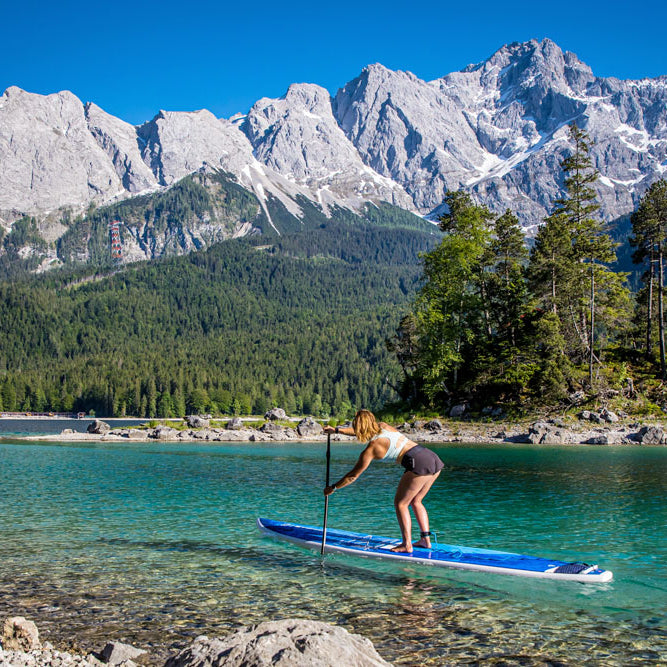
(293, 643)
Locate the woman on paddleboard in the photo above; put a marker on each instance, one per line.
(422, 467)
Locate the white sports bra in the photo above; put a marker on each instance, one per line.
(396, 443)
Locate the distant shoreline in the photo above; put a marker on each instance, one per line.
(543, 432)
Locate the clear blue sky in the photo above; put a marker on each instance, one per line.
(135, 58)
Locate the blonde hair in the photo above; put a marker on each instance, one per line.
(365, 426)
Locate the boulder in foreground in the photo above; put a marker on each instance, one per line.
(116, 653)
(19, 634)
(293, 643)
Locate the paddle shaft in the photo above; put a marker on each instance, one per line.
(326, 498)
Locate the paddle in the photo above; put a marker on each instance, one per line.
(326, 498)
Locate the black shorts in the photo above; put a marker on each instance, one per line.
(422, 461)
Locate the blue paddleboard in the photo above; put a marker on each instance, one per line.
(441, 555)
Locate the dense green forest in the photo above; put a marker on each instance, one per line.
(298, 321)
(495, 323)
(373, 309)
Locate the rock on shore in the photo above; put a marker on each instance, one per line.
(290, 643)
(592, 428)
(285, 643)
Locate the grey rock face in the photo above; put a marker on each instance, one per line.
(298, 136)
(49, 157)
(270, 427)
(98, 427)
(118, 140)
(543, 433)
(458, 410)
(175, 144)
(115, 653)
(275, 414)
(165, 433)
(308, 427)
(499, 129)
(651, 435)
(137, 434)
(608, 416)
(293, 643)
(235, 424)
(196, 421)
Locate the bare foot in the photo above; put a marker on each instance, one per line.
(402, 549)
(424, 543)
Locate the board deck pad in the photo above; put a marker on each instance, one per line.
(441, 555)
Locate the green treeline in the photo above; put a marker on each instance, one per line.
(495, 323)
(300, 323)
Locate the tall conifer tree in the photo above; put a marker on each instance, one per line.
(570, 257)
(649, 234)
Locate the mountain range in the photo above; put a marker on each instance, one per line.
(386, 143)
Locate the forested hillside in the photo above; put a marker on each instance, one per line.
(299, 321)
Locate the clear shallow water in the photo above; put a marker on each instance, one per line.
(156, 544)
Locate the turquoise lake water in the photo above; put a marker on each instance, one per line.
(156, 543)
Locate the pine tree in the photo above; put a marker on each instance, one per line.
(649, 235)
(452, 306)
(569, 262)
(551, 262)
(508, 291)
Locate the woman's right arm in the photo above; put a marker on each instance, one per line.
(365, 459)
(345, 430)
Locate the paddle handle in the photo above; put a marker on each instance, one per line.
(326, 498)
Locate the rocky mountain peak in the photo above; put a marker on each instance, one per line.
(49, 158)
(497, 129)
(298, 136)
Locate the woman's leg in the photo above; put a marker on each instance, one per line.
(409, 488)
(420, 512)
